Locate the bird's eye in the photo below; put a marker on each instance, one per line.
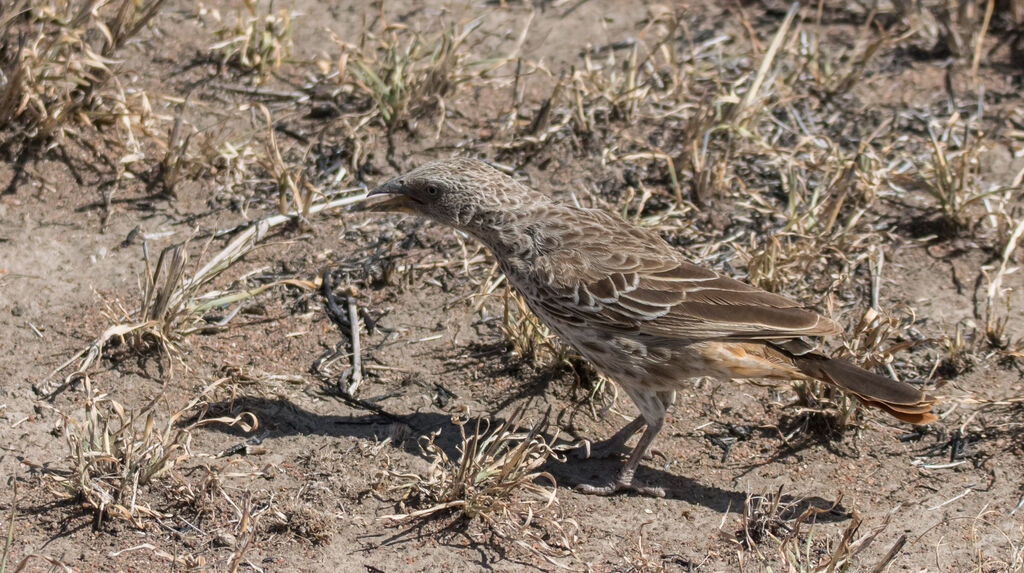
(432, 190)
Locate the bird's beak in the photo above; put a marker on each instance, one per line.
(395, 200)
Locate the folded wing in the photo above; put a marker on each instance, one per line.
(635, 282)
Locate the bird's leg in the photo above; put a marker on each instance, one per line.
(625, 480)
(613, 445)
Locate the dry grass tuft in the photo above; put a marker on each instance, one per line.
(1005, 555)
(402, 75)
(114, 453)
(768, 520)
(950, 174)
(255, 42)
(57, 62)
(172, 305)
(306, 522)
(292, 187)
(997, 295)
(495, 479)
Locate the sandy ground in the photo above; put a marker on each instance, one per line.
(312, 493)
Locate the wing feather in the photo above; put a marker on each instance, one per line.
(634, 281)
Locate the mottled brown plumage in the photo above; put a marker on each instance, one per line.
(631, 304)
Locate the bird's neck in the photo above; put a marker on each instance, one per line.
(513, 235)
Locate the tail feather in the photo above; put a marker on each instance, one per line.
(899, 399)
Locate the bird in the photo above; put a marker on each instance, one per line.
(631, 304)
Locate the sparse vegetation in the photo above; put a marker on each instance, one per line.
(57, 63)
(402, 75)
(865, 160)
(114, 452)
(256, 41)
(773, 522)
(497, 479)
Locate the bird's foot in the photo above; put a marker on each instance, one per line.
(621, 485)
(625, 482)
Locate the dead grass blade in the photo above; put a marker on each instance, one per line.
(289, 180)
(996, 321)
(753, 92)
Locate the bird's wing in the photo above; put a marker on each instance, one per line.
(624, 278)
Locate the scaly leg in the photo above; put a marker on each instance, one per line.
(625, 480)
(653, 406)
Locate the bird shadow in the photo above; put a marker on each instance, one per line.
(281, 417)
(683, 488)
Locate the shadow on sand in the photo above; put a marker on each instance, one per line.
(282, 417)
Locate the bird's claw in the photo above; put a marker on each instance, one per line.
(609, 449)
(599, 450)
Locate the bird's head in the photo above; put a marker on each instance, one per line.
(459, 192)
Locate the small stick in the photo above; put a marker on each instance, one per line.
(944, 465)
(516, 96)
(1019, 505)
(951, 500)
(876, 278)
(297, 97)
(275, 220)
(35, 330)
(891, 555)
(333, 312)
(356, 378)
(979, 44)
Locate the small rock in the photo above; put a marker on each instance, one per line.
(224, 540)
